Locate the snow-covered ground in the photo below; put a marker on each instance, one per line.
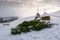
(45, 34)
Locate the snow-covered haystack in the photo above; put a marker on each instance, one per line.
(46, 34)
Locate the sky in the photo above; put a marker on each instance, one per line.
(25, 8)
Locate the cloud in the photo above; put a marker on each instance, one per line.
(54, 2)
(19, 7)
(29, 3)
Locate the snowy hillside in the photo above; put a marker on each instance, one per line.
(45, 34)
(57, 14)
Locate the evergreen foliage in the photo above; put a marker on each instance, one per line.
(27, 26)
(15, 31)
